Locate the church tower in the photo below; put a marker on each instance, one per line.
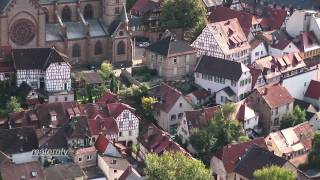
(112, 10)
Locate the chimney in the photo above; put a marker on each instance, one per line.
(150, 131)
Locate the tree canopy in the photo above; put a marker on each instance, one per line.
(13, 105)
(175, 166)
(298, 116)
(106, 70)
(273, 173)
(314, 155)
(185, 14)
(220, 131)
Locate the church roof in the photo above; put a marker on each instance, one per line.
(3, 4)
(36, 58)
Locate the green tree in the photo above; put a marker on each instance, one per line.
(273, 173)
(13, 105)
(175, 166)
(185, 14)
(134, 93)
(297, 116)
(220, 131)
(106, 70)
(113, 85)
(148, 104)
(89, 94)
(314, 155)
(130, 4)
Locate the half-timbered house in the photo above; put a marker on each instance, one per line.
(225, 40)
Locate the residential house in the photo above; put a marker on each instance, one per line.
(30, 170)
(249, 23)
(286, 69)
(45, 69)
(224, 162)
(127, 122)
(172, 58)
(170, 107)
(257, 158)
(288, 4)
(315, 121)
(291, 143)
(248, 118)
(312, 94)
(87, 78)
(272, 102)
(211, 5)
(155, 140)
(193, 120)
(225, 40)
(131, 174)
(18, 143)
(77, 133)
(85, 157)
(282, 47)
(258, 50)
(198, 97)
(110, 161)
(64, 172)
(227, 80)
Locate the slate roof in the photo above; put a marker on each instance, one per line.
(228, 91)
(275, 95)
(92, 78)
(52, 138)
(36, 58)
(168, 46)
(220, 67)
(63, 171)
(231, 153)
(18, 140)
(4, 4)
(313, 90)
(257, 158)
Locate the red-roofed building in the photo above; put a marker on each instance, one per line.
(85, 157)
(282, 47)
(312, 94)
(107, 98)
(198, 97)
(272, 102)
(225, 160)
(155, 140)
(170, 107)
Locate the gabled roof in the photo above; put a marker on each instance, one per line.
(281, 44)
(221, 68)
(245, 19)
(313, 90)
(167, 96)
(106, 126)
(200, 118)
(130, 174)
(77, 128)
(273, 18)
(107, 98)
(257, 158)
(105, 147)
(170, 46)
(230, 154)
(228, 91)
(63, 171)
(18, 140)
(275, 95)
(115, 109)
(36, 58)
(30, 170)
(144, 6)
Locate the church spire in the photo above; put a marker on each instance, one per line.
(123, 15)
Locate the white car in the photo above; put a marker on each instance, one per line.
(143, 44)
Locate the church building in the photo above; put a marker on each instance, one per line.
(87, 31)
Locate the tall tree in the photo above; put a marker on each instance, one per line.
(106, 70)
(89, 93)
(297, 116)
(113, 84)
(185, 14)
(314, 155)
(220, 131)
(175, 166)
(148, 107)
(273, 173)
(13, 105)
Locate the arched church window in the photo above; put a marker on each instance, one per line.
(121, 48)
(66, 13)
(98, 48)
(76, 50)
(88, 11)
(46, 13)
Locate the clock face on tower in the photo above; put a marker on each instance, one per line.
(22, 32)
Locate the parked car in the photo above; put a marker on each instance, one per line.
(143, 44)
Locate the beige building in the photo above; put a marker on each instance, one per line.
(272, 103)
(172, 58)
(86, 30)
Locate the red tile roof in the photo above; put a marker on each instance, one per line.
(101, 143)
(107, 98)
(144, 6)
(106, 126)
(313, 90)
(6, 67)
(245, 19)
(281, 44)
(275, 95)
(168, 96)
(273, 18)
(231, 153)
(201, 94)
(158, 141)
(115, 109)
